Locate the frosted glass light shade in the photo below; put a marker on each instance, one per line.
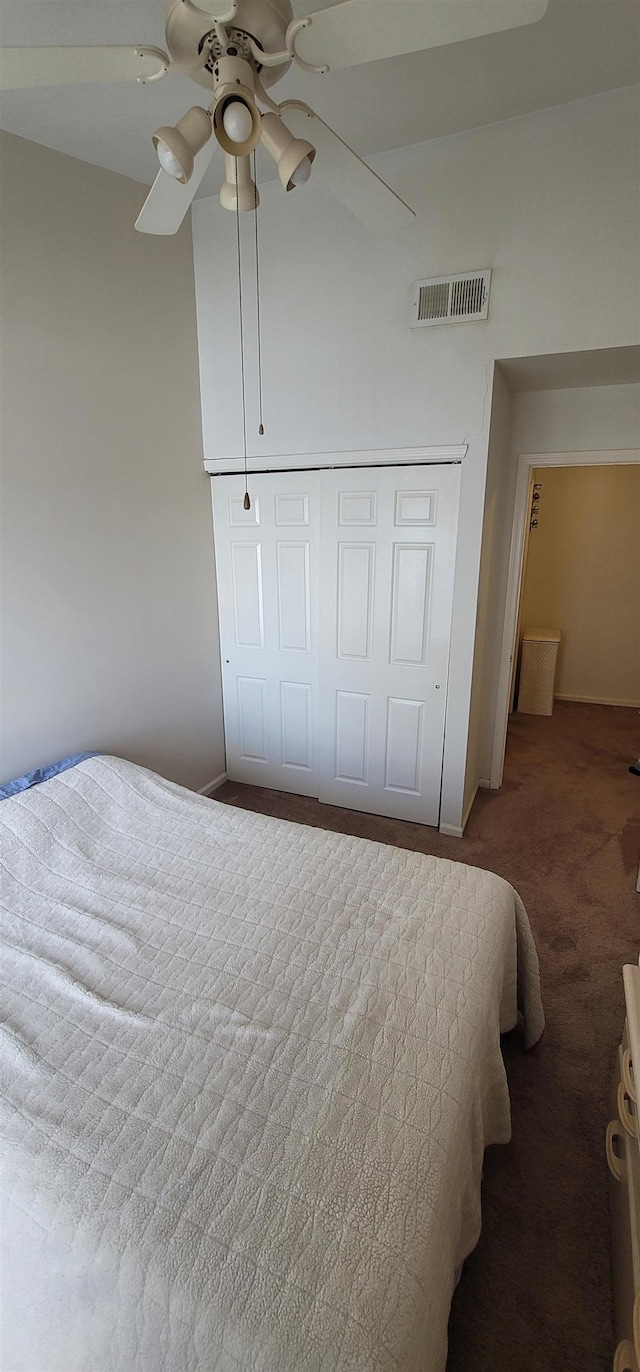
(302, 172)
(237, 121)
(168, 160)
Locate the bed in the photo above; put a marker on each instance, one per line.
(249, 1072)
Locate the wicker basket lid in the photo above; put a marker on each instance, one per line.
(541, 636)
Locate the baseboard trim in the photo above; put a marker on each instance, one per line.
(484, 784)
(598, 700)
(212, 785)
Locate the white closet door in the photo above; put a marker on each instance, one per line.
(267, 565)
(387, 554)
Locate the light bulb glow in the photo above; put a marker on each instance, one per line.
(168, 160)
(302, 172)
(237, 121)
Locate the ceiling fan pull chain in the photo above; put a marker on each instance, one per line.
(258, 320)
(247, 498)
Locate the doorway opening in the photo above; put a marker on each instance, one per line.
(575, 570)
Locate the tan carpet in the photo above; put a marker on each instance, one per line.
(565, 830)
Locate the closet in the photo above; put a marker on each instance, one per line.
(335, 596)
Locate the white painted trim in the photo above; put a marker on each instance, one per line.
(469, 808)
(598, 700)
(484, 784)
(366, 457)
(455, 830)
(526, 461)
(213, 785)
(613, 457)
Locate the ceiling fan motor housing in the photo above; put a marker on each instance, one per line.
(266, 21)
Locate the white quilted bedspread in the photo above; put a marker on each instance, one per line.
(249, 1071)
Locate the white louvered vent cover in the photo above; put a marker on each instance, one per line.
(450, 299)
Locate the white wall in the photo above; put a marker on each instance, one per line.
(109, 630)
(548, 201)
(577, 420)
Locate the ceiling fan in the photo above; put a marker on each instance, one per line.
(237, 50)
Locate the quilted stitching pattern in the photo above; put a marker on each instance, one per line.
(249, 1072)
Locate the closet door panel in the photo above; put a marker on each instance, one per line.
(335, 596)
(387, 557)
(267, 567)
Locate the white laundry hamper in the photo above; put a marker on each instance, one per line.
(538, 671)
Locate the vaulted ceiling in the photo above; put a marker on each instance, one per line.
(580, 48)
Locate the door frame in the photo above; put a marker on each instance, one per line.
(527, 461)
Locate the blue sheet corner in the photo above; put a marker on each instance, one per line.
(23, 783)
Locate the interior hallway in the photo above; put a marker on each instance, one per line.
(565, 830)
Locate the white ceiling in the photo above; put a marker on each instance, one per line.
(565, 371)
(580, 48)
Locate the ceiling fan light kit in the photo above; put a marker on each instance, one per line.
(233, 87)
(293, 156)
(177, 147)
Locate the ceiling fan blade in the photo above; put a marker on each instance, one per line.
(358, 31)
(350, 179)
(24, 68)
(168, 200)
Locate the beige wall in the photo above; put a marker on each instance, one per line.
(109, 630)
(583, 577)
(596, 417)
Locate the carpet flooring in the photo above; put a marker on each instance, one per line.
(564, 829)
